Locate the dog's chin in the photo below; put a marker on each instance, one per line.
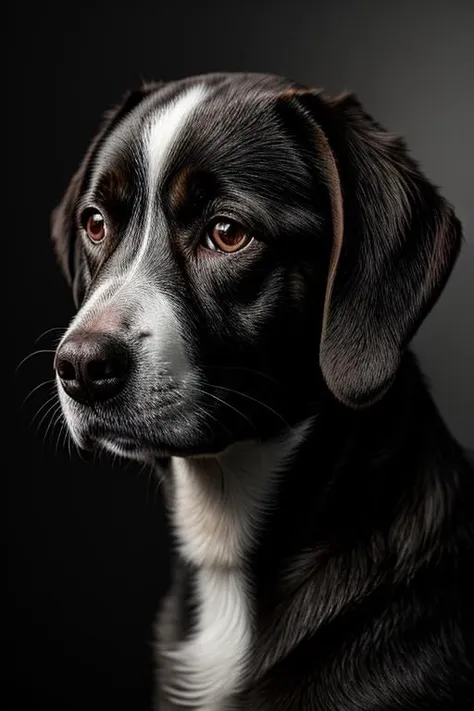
(128, 448)
(127, 440)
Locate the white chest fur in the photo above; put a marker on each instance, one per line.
(218, 506)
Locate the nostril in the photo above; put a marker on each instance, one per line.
(98, 370)
(107, 369)
(65, 369)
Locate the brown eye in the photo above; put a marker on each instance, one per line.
(95, 227)
(226, 236)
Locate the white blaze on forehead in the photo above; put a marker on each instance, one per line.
(165, 127)
(161, 135)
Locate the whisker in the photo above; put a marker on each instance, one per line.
(223, 402)
(66, 437)
(78, 450)
(54, 407)
(40, 409)
(209, 414)
(58, 422)
(32, 392)
(63, 437)
(55, 419)
(68, 442)
(49, 330)
(259, 402)
(27, 358)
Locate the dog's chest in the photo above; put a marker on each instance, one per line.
(212, 528)
(207, 667)
(217, 507)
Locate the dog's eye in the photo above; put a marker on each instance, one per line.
(95, 226)
(226, 236)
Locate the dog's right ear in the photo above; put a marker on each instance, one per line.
(66, 244)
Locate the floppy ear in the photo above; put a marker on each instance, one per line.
(66, 244)
(395, 241)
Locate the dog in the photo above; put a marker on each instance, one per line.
(250, 259)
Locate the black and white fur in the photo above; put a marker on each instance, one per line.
(322, 512)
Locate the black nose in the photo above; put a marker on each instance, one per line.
(92, 366)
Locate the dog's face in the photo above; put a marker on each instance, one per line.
(237, 245)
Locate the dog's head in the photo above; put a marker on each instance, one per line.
(237, 245)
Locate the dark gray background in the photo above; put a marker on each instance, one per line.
(89, 553)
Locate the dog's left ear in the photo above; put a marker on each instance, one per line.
(395, 241)
(63, 228)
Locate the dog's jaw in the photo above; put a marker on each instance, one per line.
(217, 507)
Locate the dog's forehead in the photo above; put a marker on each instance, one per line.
(234, 124)
(228, 103)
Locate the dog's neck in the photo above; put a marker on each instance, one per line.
(218, 504)
(336, 476)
